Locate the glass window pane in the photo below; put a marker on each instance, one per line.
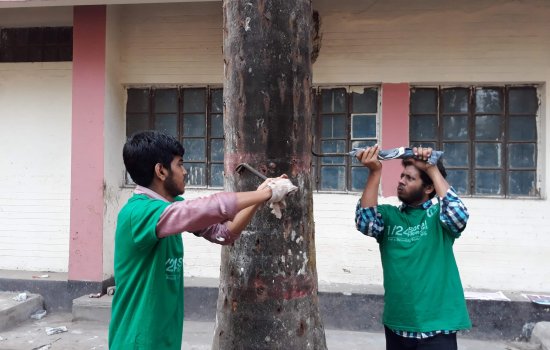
(334, 126)
(138, 101)
(488, 182)
(193, 125)
(216, 103)
(35, 55)
(424, 144)
(455, 127)
(216, 125)
(194, 150)
(488, 155)
(167, 123)
(488, 101)
(359, 178)
(366, 102)
(456, 154)
(335, 146)
(193, 100)
(455, 100)
(216, 150)
(334, 100)
(459, 180)
(522, 183)
(136, 122)
(521, 155)
(424, 101)
(488, 127)
(196, 173)
(216, 175)
(423, 127)
(48, 53)
(523, 128)
(166, 101)
(333, 178)
(523, 101)
(363, 126)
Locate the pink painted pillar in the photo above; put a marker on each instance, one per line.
(395, 131)
(86, 245)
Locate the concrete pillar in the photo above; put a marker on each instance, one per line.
(395, 131)
(87, 149)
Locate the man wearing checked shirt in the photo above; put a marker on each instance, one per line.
(424, 302)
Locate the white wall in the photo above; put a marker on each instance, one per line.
(370, 42)
(172, 43)
(421, 42)
(35, 139)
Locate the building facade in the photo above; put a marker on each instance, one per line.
(466, 77)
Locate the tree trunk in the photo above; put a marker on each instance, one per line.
(268, 283)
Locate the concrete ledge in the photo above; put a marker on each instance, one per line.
(92, 309)
(541, 335)
(13, 312)
(57, 291)
(360, 310)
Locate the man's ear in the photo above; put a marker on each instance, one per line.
(429, 189)
(160, 172)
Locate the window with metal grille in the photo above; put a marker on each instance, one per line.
(36, 44)
(488, 134)
(344, 118)
(194, 116)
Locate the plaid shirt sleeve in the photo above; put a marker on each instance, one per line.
(454, 214)
(368, 221)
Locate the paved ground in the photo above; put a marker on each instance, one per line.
(83, 335)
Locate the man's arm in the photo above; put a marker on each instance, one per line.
(367, 220)
(369, 158)
(454, 214)
(197, 214)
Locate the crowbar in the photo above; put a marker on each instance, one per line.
(239, 169)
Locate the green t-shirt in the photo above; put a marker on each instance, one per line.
(422, 285)
(147, 308)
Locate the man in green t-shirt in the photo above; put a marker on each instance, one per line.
(424, 304)
(147, 308)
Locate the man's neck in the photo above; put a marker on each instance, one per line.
(153, 193)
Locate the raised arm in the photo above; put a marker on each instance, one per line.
(369, 158)
(440, 184)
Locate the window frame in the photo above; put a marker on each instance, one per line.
(349, 163)
(47, 42)
(505, 141)
(180, 115)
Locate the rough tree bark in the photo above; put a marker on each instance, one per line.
(268, 283)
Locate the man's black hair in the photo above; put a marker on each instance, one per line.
(426, 180)
(143, 150)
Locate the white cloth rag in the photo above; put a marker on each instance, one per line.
(279, 189)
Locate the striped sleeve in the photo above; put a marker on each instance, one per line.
(454, 214)
(368, 221)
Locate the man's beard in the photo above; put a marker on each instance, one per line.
(413, 198)
(171, 186)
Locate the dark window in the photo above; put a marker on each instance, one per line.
(192, 115)
(36, 44)
(343, 120)
(489, 135)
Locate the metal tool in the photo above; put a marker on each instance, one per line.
(329, 154)
(241, 167)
